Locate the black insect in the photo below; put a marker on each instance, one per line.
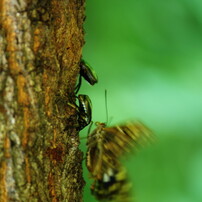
(84, 111)
(87, 72)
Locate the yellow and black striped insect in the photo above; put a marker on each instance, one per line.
(84, 111)
(87, 72)
(105, 147)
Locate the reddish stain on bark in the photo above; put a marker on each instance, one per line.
(56, 153)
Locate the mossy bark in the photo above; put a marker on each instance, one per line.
(40, 49)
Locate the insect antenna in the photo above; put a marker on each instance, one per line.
(106, 107)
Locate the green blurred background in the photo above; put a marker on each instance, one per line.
(148, 55)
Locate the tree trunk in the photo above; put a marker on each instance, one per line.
(40, 49)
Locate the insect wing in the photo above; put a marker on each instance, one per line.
(107, 145)
(131, 136)
(94, 152)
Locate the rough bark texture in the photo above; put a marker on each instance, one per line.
(40, 48)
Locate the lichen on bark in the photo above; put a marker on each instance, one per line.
(40, 49)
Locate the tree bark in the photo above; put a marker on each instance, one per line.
(40, 49)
